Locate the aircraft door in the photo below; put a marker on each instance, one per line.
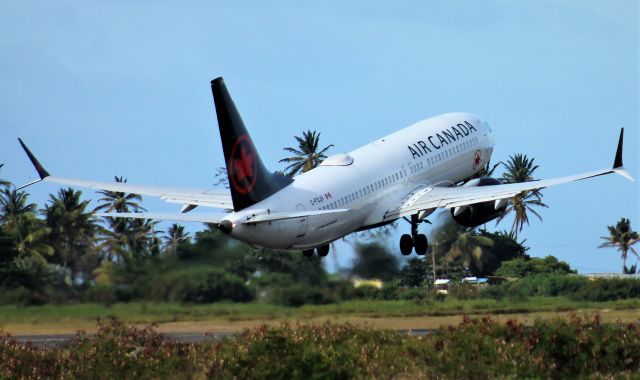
(302, 222)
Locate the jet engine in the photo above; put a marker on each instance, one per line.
(479, 213)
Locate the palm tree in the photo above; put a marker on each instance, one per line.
(4, 183)
(73, 230)
(622, 237)
(520, 168)
(14, 206)
(141, 237)
(116, 201)
(32, 239)
(306, 156)
(174, 237)
(18, 220)
(123, 232)
(454, 243)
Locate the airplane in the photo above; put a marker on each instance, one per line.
(433, 164)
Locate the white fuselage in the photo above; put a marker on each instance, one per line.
(370, 181)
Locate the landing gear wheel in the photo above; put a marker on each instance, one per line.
(307, 252)
(406, 244)
(421, 244)
(323, 251)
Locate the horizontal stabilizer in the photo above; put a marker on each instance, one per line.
(270, 217)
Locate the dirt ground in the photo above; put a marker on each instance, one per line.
(395, 323)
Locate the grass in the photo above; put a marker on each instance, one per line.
(235, 316)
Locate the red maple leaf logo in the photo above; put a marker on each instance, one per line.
(476, 159)
(242, 165)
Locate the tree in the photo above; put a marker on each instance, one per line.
(31, 239)
(4, 183)
(415, 272)
(13, 206)
(527, 266)
(221, 176)
(307, 156)
(488, 170)
(520, 168)
(174, 237)
(123, 233)
(116, 201)
(73, 232)
(374, 261)
(456, 244)
(621, 237)
(285, 268)
(18, 219)
(505, 247)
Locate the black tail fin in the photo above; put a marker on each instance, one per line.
(249, 180)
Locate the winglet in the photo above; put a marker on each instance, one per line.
(617, 163)
(42, 172)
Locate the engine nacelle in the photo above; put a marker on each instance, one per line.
(479, 213)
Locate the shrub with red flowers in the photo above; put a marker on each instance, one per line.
(477, 348)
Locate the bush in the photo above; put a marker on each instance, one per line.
(527, 266)
(105, 295)
(196, 284)
(537, 285)
(390, 290)
(608, 290)
(217, 287)
(477, 348)
(297, 295)
(414, 294)
(366, 292)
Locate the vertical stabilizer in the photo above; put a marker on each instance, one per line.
(249, 180)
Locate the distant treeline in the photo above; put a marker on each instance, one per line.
(62, 253)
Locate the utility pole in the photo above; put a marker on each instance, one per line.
(433, 262)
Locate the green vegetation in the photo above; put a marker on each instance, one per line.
(622, 237)
(63, 254)
(477, 348)
(149, 312)
(527, 266)
(520, 168)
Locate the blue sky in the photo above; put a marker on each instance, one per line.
(99, 89)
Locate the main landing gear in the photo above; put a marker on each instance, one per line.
(322, 251)
(415, 240)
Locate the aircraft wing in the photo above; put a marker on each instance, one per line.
(449, 197)
(200, 197)
(171, 217)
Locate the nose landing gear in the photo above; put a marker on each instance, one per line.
(415, 241)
